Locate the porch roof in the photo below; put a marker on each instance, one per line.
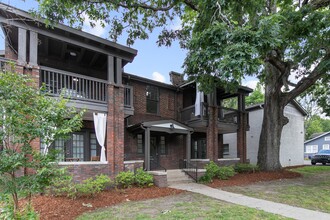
(168, 126)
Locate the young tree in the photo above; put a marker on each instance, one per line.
(27, 113)
(276, 41)
(256, 97)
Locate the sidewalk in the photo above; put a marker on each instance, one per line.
(271, 207)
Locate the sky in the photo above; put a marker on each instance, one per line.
(151, 62)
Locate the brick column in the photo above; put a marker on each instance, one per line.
(212, 134)
(241, 131)
(115, 129)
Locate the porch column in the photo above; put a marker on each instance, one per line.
(188, 147)
(241, 131)
(22, 45)
(220, 140)
(147, 149)
(111, 73)
(33, 61)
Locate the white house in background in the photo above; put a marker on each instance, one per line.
(292, 140)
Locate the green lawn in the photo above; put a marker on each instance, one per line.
(312, 191)
(182, 206)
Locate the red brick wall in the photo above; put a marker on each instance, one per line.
(81, 172)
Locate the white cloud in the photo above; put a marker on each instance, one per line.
(97, 30)
(158, 77)
(251, 83)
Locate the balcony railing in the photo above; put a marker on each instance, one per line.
(188, 113)
(73, 86)
(227, 115)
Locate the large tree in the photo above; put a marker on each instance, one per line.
(275, 41)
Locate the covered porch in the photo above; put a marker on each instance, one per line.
(163, 143)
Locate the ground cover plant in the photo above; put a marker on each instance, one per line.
(182, 206)
(310, 191)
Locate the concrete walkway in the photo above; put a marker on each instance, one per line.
(271, 207)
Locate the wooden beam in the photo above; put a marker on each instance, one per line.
(33, 59)
(119, 71)
(111, 68)
(22, 45)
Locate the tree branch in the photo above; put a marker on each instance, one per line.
(305, 83)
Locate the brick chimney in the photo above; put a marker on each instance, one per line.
(176, 78)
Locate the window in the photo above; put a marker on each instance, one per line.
(311, 149)
(152, 94)
(327, 138)
(225, 149)
(162, 145)
(198, 150)
(140, 144)
(93, 144)
(326, 147)
(81, 146)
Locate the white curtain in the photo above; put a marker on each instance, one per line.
(199, 100)
(100, 122)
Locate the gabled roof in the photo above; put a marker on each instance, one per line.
(294, 103)
(322, 135)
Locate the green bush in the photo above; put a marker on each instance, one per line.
(205, 178)
(92, 186)
(64, 186)
(143, 179)
(27, 212)
(246, 168)
(212, 169)
(125, 179)
(226, 172)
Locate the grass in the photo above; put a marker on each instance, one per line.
(183, 206)
(311, 191)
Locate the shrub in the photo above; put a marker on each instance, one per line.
(64, 186)
(125, 179)
(92, 186)
(212, 169)
(205, 178)
(246, 168)
(225, 172)
(143, 179)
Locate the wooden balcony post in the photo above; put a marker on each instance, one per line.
(22, 45)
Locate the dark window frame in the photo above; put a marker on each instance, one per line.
(152, 99)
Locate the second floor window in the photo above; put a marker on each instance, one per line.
(152, 94)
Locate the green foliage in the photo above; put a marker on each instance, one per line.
(214, 171)
(64, 186)
(125, 179)
(316, 124)
(225, 172)
(25, 213)
(27, 113)
(245, 168)
(256, 97)
(143, 179)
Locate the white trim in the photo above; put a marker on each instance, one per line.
(157, 173)
(133, 161)
(82, 163)
(200, 160)
(228, 159)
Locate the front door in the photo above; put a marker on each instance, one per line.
(154, 154)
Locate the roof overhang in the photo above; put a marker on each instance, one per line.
(167, 126)
(15, 17)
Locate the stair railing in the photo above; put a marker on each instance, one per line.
(190, 169)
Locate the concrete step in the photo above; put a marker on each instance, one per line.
(177, 176)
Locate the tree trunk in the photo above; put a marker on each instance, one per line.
(273, 122)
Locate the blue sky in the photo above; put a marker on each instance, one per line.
(151, 62)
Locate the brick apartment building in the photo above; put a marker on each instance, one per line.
(148, 123)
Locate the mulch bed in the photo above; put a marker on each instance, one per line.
(64, 208)
(242, 179)
(51, 208)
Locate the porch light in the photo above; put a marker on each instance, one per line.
(74, 54)
(75, 79)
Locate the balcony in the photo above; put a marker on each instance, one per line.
(84, 91)
(227, 118)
